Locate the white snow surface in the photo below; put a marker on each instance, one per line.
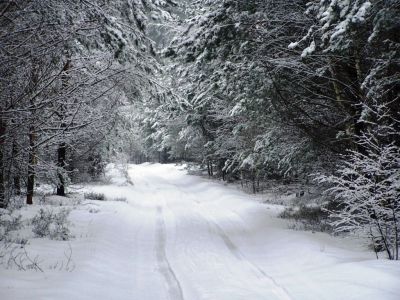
(186, 237)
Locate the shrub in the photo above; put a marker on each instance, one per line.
(119, 199)
(50, 224)
(313, 218)
(366, 185)
(8, 223)
(95, 196)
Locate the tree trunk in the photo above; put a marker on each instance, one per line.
(254, 181)
(396, 235)
(346, 77)
(17, 185)
(31, 167)
(62, 147)
(2, 146)
(61, 153)
(30, 184)
(15, 170)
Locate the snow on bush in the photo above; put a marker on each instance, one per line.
(367, 186)
(95, 196)
(8, 222)
(48, 223)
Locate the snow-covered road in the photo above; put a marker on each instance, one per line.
(184, 237)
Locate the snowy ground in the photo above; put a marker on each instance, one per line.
(184, 237)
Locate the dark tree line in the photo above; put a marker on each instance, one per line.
(66, 68)
(275, 88)
(285, 89)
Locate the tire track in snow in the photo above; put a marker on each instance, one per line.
(174, 287)
(279, 290)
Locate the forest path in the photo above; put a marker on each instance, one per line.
(213, 241)
(195, 255)
(182, 237)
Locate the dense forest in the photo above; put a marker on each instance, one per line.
(304, 91)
